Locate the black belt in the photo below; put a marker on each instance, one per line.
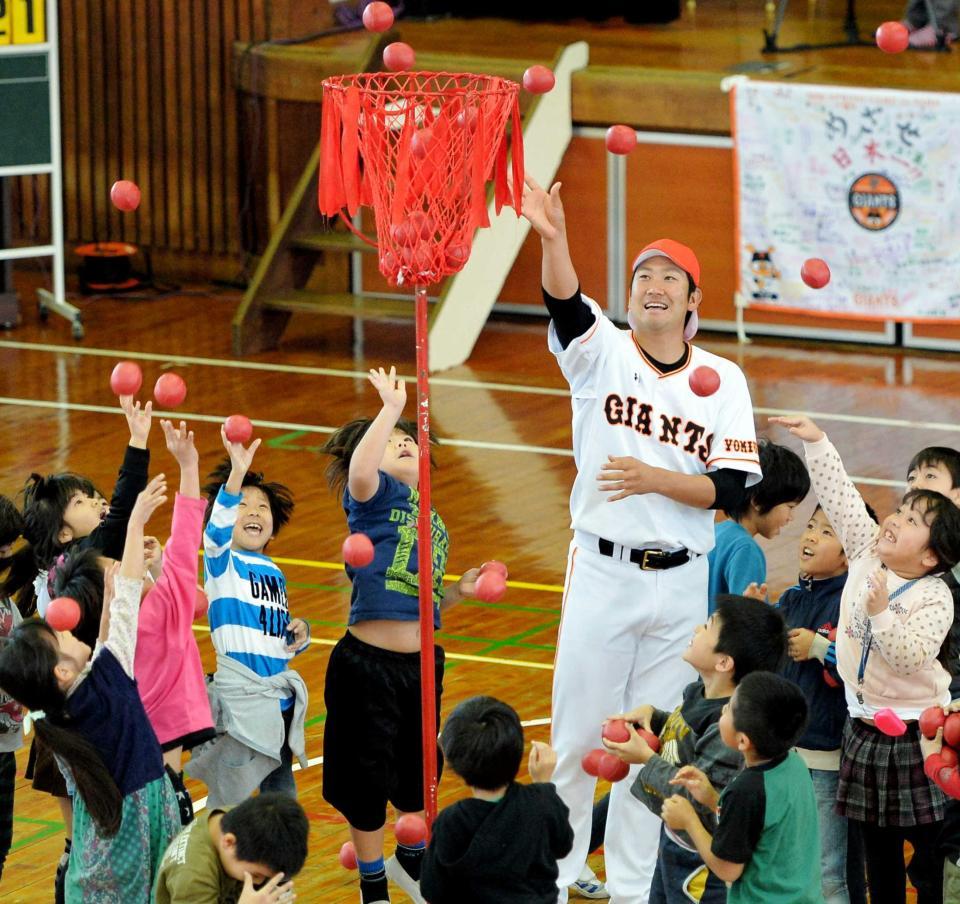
(647, 559)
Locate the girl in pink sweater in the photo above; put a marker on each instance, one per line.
(894, 615)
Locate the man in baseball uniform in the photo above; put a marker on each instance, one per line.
(654, 459)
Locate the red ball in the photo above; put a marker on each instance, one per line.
(494, 565)
(616, 730)
(889, 722)
(612, 768)
(892, 37)
(621, 139)
(63, 614)
(238, 429)
(951, 730)
(170, 390)
(949, 756)
(591, 761)
(456, 255)
(398, 57)
(126, 378)
(358, 550)
(348, 854)
(652, 740)
(125, 195)
(491, 586)
(421, 143)
(952, 785)
(931, 719)
(201, 604)
(704, 381)
(538, 80)
(815, 273)
(468, 119)
(378, 16)
(410, 829)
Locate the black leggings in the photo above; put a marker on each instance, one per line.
(886, 875)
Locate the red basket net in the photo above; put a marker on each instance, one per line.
(419, 148)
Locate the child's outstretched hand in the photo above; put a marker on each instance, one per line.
(393, 392)
(138, 420)
(273, 892)
(180, 443)
(800, 426)
(636, 750)
(152, 497)
(543, 760)
(756, 591)
(697, 784)
(877, 598)
(241, 457)
(543, 209)
(678, 812)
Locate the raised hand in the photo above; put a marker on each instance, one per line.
(180, 443)
(877, 598)
(152, 497)
(544, 210)
(800, 426)
(241, 457)
(393, 392)
(138, 420)
(756, 591)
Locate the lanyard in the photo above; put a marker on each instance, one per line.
(868, 640)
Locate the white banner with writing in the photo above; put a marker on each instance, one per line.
(867, 180)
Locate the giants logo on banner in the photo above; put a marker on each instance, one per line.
(867, 180)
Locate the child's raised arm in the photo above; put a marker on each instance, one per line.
(241, 457)
(364, 479)
(180, 446)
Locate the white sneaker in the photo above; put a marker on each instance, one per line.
(589, 886)
(399, 876)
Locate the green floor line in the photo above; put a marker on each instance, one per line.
(330, 588)
(50, 828)
(511, 641)
(465, 638)
(278, 442)
(315, 720)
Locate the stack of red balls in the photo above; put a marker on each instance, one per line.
(941, 768)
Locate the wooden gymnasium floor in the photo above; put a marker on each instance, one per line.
(502, 485)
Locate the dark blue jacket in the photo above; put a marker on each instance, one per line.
(816, 605)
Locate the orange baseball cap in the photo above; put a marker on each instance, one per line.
(681, 255)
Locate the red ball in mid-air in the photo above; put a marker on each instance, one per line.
(616, 730)
(378, 16)
(125, 195)
(704, 381)
(591, 761)
(612, 768)
(126, 378)
(170, 390)
(348, 855)
(491, 586)
(358, 550)
(892, 37)
(621, 139)
(238, 429)
(398, 57)
(815, 273)
(538, 80)
(63, 614)
(410, 829)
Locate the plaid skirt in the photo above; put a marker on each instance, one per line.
(882, 780)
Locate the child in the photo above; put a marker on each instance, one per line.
(86, 708)
(222, 856)
(508, 836)
(167, 665)
(765, 840)
(736, 560)
(894, 615)
(14, 578)
(742, 636)
(258, 703)
(64, 511)
(372, 750)
(811, 610)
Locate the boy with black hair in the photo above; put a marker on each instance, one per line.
(736, 560)
(246, 855)
(503, 844)
(766, 816)
(742, 636)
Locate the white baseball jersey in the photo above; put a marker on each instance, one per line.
(622, 405)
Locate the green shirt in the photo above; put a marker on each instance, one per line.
(191, 872)
(768, 822)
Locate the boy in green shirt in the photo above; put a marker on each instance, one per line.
(245, 855)
(767, 808)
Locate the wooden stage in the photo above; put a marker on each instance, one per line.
(505, 467)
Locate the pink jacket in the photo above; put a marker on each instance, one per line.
(167, 665)
(902, 671)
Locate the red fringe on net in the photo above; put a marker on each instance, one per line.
(419, 148)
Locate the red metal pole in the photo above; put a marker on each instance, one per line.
(425, 567)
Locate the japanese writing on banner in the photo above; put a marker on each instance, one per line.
(867, 180)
